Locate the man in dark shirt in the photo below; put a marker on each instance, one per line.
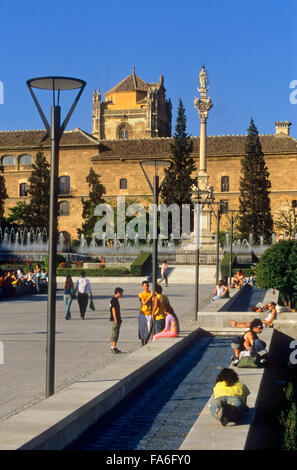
(115, 318)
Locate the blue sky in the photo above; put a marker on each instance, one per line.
(249, 49)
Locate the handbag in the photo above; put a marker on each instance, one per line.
(91, 305)
(248, 362)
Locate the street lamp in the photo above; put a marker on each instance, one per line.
(155, 188)
(54, 131)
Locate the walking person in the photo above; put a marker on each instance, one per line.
(37, 273)
(164, 275)
(145, 322)
(68, 295)
(83, 287)
(115, 318)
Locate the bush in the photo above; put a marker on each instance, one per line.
(60, 259)
(110, 272)
(225, 265)
(142, 262)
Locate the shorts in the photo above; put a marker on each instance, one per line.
(115, 331)
(145, 325)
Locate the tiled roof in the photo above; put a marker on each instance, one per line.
(33, 138)
(130, 83)
(216, 145)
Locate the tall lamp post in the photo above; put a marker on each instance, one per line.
(54, 131)
(155, 188)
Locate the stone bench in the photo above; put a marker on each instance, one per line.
(208, 434)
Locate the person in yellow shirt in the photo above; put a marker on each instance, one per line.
(145, 322)
(158, 313)
(230, 397)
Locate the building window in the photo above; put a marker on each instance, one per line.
(224, 206)
(25, 160)
(123, 183)
(124, 133)
(224, 184)
(64, 208)
(24, 189)
(64, 185)
(8, 160)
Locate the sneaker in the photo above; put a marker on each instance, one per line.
(117, 351)
(114, 351)
(235, 362)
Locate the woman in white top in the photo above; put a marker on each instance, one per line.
(83, 287)
(220, 291)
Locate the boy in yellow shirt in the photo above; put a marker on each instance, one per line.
(145, 322)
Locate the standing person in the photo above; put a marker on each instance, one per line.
(145, 322)
(158, 313)
(115, 318)
(37, 273)
(83, 287)
(68, 295)
(164, 275)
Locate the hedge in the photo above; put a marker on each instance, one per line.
(225, 265)
(140, 265)
(93, 272)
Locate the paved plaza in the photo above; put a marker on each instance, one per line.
(82, 346)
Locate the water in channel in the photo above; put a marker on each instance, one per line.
(161, 412)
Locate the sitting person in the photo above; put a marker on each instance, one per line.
(237, 280)
(269, 319)
(230, 397)
(220, 291)
(249, 341)
(171, 329)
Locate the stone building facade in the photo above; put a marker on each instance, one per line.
(116, 158)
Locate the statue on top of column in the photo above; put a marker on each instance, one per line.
(203, 78)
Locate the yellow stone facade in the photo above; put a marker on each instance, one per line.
(116, 158)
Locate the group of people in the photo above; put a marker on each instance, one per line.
(230, 395)
(34, 281)
(156, 319)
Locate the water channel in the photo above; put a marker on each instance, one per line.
(161, 412)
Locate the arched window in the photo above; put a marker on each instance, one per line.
(123, 183)
(8, 160)
(64, 208)
(25, 160)
(224, 184)
(64, 185)
(24, 189)
(123, 132)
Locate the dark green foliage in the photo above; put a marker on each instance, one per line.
(20, 214)
(93, 272)
(254, 201)
(277, 269)
(38, 189)
(288, 413)
(142, 262)
(3, 193)
(178, 177)
(97, 190)
(225, 265)
(59, 259)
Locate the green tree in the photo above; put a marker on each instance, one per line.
(97, 190)
(19, 214)
(3, 193)
(277, 269)
(254, 201)
(176, 188)
(286, 221)
(38, 189)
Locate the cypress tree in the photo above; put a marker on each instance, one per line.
(97, 190)
(254, 202)
(178, 180)
(38, 189)
(3, 193)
